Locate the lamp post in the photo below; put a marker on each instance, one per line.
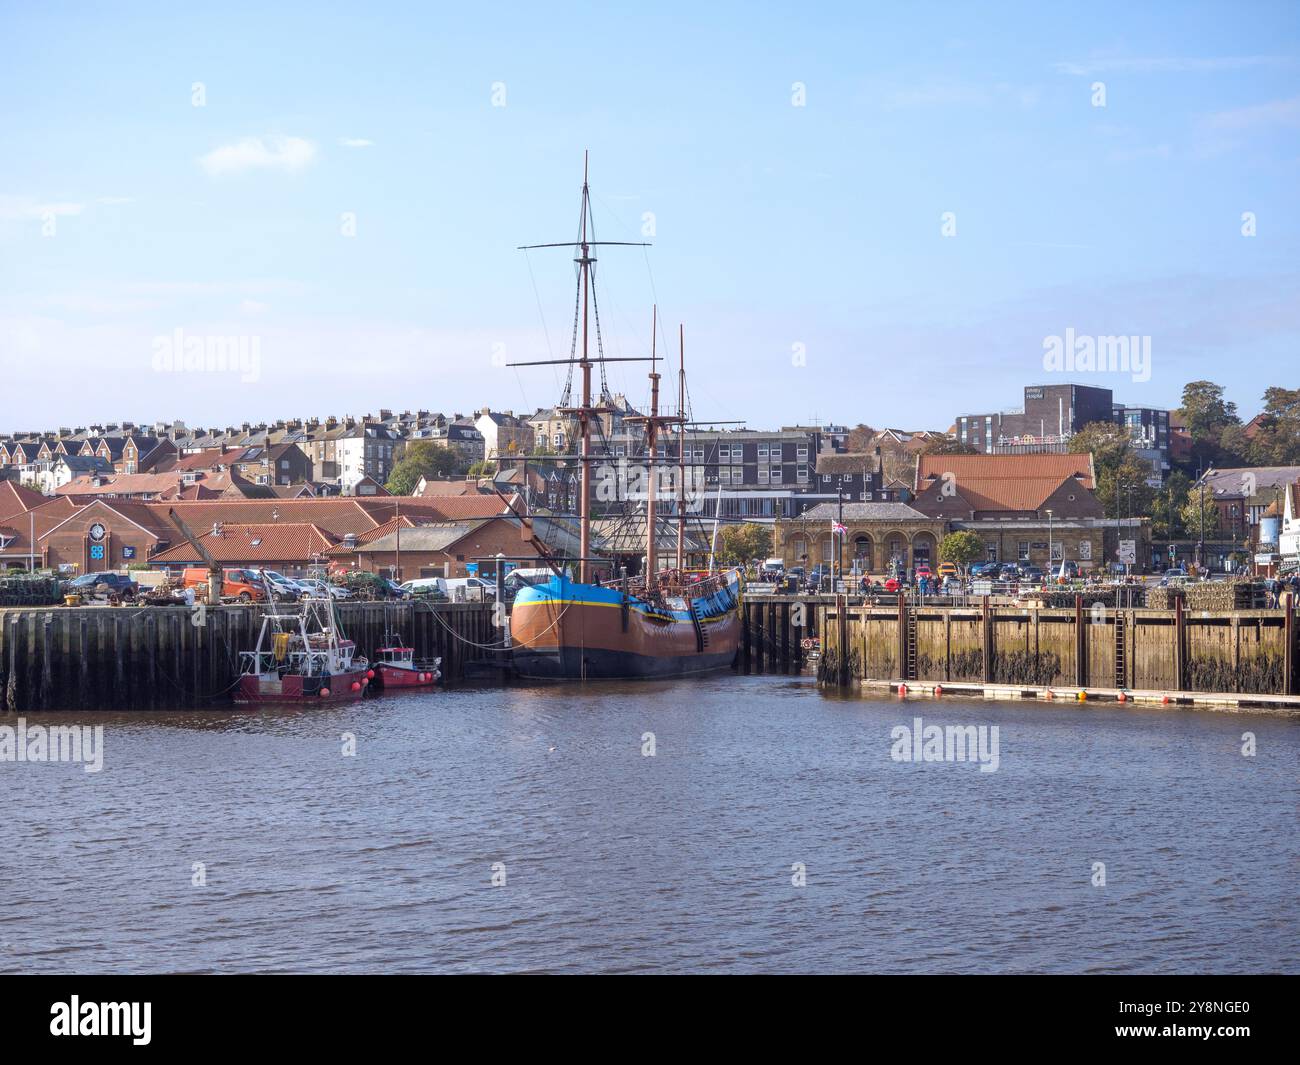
(1049, 545)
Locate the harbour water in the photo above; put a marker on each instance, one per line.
(615, 860)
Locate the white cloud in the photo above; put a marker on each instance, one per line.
(1272, 113)
(1169, 64)
(356, 142)
(288, 154)
(24, 208)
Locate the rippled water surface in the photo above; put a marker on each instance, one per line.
(682, 861)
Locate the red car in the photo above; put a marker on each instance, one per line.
(923, 570)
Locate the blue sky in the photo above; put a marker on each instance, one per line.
(127, 213)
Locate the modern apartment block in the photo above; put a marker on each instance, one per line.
(1051, 414)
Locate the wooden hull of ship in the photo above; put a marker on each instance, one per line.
(569, 631)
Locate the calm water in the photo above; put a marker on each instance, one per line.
(681, 861)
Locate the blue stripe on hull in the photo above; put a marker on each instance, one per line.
(574, 663)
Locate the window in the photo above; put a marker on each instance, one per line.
(802, 453)
(776, 453)
(799, 546)
(991, 550)
(762, 452)
(776, 474)
(762, 475)
(1023, 550)
(737, 475)
(802, 475)
(724, 474)
(826, 478)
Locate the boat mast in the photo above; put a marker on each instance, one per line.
(652, 437)
(681, 447)
(584, 412)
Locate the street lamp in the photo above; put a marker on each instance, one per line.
(1049, 544)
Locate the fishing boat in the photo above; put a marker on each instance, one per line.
(395, 666)
(302, 657)
(664, 622)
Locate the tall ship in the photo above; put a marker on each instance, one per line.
(589, 621)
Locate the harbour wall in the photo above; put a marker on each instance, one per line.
(159, 658)
(1231, 651)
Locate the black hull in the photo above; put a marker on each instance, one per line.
(573, 663)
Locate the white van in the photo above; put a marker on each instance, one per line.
(465, 589)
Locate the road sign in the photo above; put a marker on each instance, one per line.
(1128, 552)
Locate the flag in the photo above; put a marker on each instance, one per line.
(836, 527)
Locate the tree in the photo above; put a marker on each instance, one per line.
(961, 549)
(1277, 441)
(422, 458)
(738, 544)
(859, 438)
(482, 468)
(1115, 463)
(1207, 414)
(945, 446)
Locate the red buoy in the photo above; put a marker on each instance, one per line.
(356, 685)
(938, 689)
(902, 689)
(324, 692)
(370, 674)
(1164, 698)
(1123, 698)
(1050, 694)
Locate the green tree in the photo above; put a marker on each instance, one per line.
(739, 544)
(482, 468)
(422, 458)
(1277, 442)
(961, 549)
(1115, 463)
(1207, 414)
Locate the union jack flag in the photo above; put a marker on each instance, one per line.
(836, 527)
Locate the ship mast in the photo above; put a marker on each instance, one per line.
(681, 447)
(586, 412)
(651, 438)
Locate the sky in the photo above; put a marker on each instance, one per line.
(875, 213)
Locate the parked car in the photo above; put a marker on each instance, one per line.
(984, 569)
(816, 577)
(283, 590)
(244, 585)
(1031, 573)
(947, 569)
(423, 588)
(771, 570)
(524, 577)
(319, 588)
(109, 584)
(923, 570)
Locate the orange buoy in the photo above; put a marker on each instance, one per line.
(1164, 698)
(902, 689)
(938, 689)
(1083, 697)
(1123, 698)
(1051, 694)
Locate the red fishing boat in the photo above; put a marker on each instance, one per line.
(395, 667)
(302, 657)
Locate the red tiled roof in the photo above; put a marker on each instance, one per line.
(16, 499)
(262, 542)
(969, 468)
